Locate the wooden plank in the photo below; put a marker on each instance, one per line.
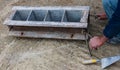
(43, 34)
(46, 24)
(51, 8)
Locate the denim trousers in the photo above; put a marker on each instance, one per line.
(110, 7)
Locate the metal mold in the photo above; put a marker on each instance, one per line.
(53, 18)
(49, 22)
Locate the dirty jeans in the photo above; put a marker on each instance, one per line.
(110, 7)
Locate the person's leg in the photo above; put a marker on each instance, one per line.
(109, 7)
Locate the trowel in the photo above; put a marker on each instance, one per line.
(105, 62)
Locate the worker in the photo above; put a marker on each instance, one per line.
(111, 32)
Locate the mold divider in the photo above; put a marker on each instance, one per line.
(84, 16)
(29, 15)
(63, 16)
(81, 15)
(46, 15)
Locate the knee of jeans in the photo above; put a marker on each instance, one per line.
(105, 3)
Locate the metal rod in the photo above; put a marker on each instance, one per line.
(90, 52)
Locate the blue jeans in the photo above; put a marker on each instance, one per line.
(110, 7)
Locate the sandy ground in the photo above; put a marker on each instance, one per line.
(49, 54)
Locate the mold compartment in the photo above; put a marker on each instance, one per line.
(37, 15)
(72, 16)
(54, 15)
(21, 15)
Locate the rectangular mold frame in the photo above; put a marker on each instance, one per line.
(82, 24)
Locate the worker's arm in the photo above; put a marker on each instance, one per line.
(112, 29)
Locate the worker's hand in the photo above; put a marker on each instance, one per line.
(97, 41)
(101, 16)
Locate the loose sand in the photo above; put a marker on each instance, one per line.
(49, 54)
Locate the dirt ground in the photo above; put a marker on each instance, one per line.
(51, 54)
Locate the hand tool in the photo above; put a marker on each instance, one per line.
(105, 62)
